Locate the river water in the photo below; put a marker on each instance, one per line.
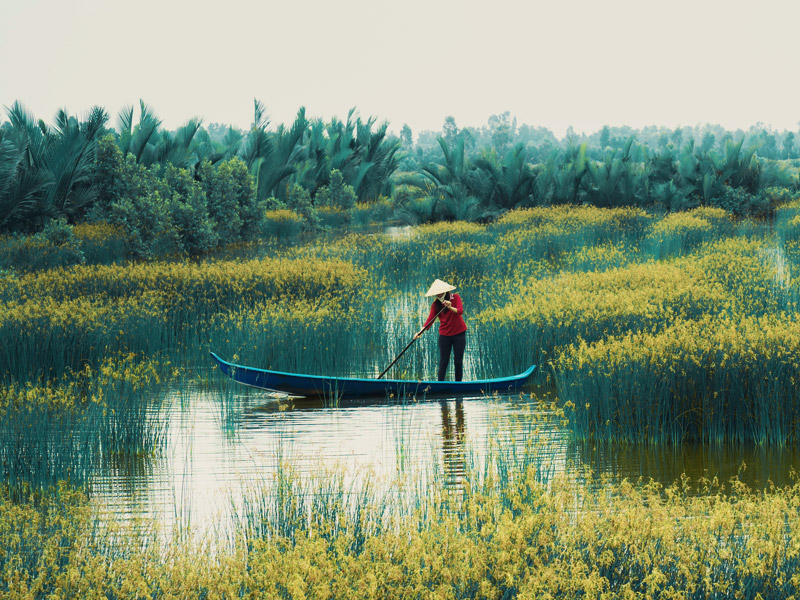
(229, 442)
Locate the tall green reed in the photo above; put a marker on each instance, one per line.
(65, 431)
(711, 381)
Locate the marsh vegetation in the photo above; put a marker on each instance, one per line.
(651, 329)
(656, 290)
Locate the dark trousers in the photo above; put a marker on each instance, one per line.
(448, 343)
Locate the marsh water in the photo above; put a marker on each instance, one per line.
(227, 443)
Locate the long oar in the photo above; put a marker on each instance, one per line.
(413, 339)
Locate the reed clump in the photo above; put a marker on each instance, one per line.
(601, 257)
(551, 313)
(101, 242)
(551, 235)
(605, 222)
(448, 233)
(215, 282)
(318, 338)
(751, 271)
(58, 319)
(714, 379)
(678, 232)
(62, 430)
(283, 224)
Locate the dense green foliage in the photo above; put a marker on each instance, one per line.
(183, 191)
(188, 191)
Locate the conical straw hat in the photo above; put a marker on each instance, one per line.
(439, 287)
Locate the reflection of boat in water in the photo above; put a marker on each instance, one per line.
(322, 386)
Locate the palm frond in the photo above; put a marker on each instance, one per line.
(95, 122)
(62, 122)
(20, 118)
(260, 118)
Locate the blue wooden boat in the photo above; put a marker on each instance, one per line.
(321, 386)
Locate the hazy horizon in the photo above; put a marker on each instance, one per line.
(583, 64)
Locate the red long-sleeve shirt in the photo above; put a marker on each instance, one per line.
(450, 323)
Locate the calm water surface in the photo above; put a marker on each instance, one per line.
(224, 445)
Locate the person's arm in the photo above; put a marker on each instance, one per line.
(456, 306)
(429, 321)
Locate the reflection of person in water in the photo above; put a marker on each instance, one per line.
(453, 444)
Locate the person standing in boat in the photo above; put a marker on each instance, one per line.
(452, 328)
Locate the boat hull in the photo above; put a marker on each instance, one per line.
(320, 386)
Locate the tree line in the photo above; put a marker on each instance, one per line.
(211, 185)
(502, 132)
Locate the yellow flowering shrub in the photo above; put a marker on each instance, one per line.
(571, 218)
(681, 224)
(74, 391)
(677, 233)
(718, 217)
(500, 539)
(210, 281)
(787, 210)
(97, 232)
(445, 232)
(748, 269)
(639, 296)
(283, 215)
(714, 379)
(552, 234)
(789, 230)
(599, 258)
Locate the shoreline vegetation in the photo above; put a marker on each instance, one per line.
(501, 537)
(657, 291)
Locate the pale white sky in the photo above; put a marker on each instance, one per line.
(583, 63)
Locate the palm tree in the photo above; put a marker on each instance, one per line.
(141, 140)
(562, 175)
(706, 175)
(737, 168)
(23, 180)
(366, 159)
(330, 146)
(375, 160)
(230, 146)
(512, 180)
(273, 157)
(688, 177)
(70, 161)
(46, 172)
(184, 149)
(315, 168)
(454, 188)
(620, 179)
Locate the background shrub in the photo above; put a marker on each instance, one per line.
(282, 224)
(55, 246)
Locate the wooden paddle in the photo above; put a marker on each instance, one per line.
(413, 339)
